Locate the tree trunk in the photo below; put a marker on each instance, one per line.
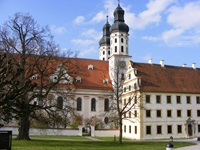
(120, 130)
(24, 126)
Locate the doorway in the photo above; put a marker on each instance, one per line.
(190, 130)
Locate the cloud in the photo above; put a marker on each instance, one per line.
(85, 51)
(79, 20)
(151, 38)
(185, 17)
(92, 33)
(100, 16)
(82, 42)
(185, 25)
(152, 15)
(58, 30)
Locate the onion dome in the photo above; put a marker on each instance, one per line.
(119, 24)
(105, 40)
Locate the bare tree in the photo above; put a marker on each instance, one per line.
(123, 109)
(33, 51)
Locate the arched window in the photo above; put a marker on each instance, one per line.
(93, 104)
(106, 120)
(122, 40)
(79, 104)
(115, 40)
(106, 105)
(122, 49)
(60, 102)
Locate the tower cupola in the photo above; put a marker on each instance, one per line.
(105, 40)
(119, 23)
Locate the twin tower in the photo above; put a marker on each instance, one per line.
(113, 46)
(115, 37)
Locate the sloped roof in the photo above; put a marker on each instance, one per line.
(92, 79)
(173, 79)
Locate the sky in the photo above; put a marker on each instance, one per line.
(166, 30)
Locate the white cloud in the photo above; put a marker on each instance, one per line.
(152, 15)
(92, 33)
(150, 38)
(98, 17)
(185, 17)
(58, 30)
(82, 42)
(185, 25)
(79, 20)
(85, 51)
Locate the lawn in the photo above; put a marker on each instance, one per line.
(82, 143)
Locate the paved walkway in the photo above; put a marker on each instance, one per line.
(194, 147)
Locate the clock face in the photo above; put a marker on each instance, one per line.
(122, 64)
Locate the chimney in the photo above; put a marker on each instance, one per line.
(150, 61)
(194, 65)
(184, 65)
(162, 63)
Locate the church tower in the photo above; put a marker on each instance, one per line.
(119, 56)
(104, 43)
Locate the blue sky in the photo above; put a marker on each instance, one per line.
(166, 30)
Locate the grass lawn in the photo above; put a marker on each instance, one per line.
(82, 143)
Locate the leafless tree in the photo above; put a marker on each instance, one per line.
(33, 51)
(123, 109)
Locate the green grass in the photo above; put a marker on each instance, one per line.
(80, 143)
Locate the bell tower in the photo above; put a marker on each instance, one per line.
(104, 43)
(119, 53)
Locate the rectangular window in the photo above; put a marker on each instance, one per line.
(198, 99)
(169, 113)
(198, 113)
(148, 99)
(79, 104)
(148, 129)
(125, 128)
(106, 105)
(129, 129)
(189, 113)
(135, 129)
(158, 99)
(198, 127)
(178, 99)
(178, 113)
(129, 76)
(169, 129)
(148, 113)
(159, 113)
(159, 129)
(188, 99)
(179, 128)
(93, 104)
(135, 113)
(129, 114)
(169, 99)
(122, 76)
(115, 48)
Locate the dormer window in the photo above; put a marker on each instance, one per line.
(78, 79)
(35, 77)
(90, 67)
(105, 81)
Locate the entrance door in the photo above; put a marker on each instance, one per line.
(190, 130)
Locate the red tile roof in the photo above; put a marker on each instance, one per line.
(173, 79)
(92, 79)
